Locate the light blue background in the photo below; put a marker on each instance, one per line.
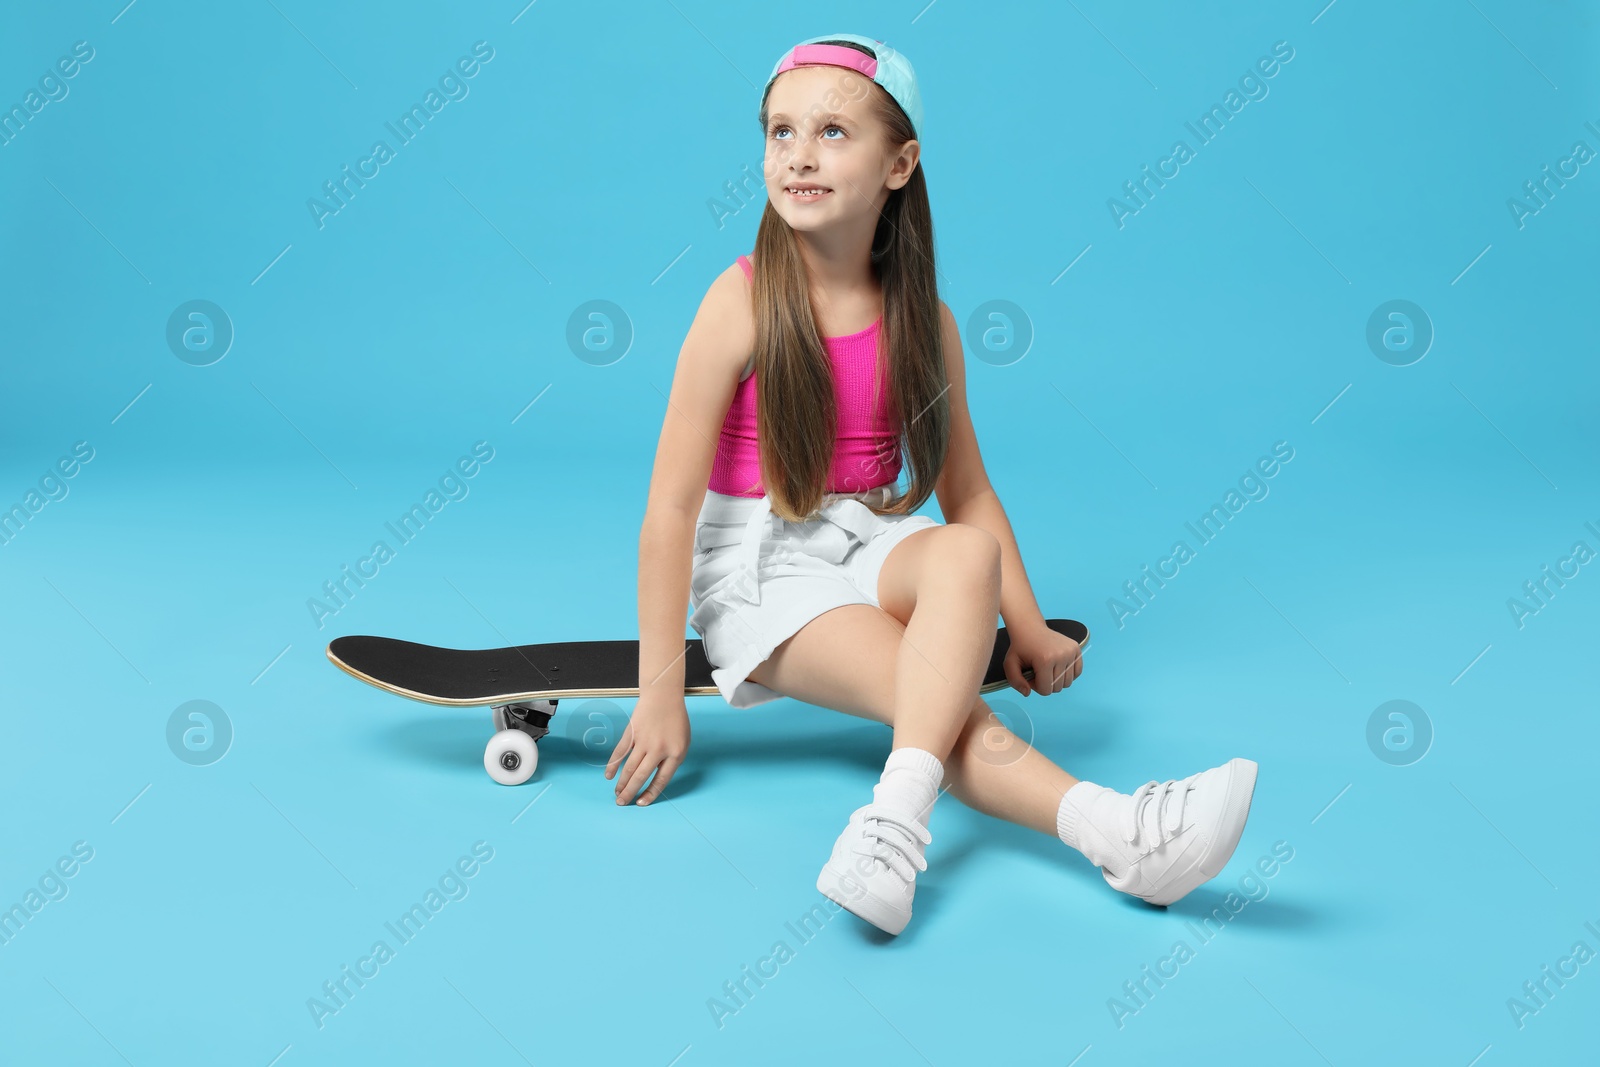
(1228, 314)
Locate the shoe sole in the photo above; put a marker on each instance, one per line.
(1235, 813)
(866, 907)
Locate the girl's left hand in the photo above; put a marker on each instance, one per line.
(1055, 659)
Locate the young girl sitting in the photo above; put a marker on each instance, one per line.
(812, 367)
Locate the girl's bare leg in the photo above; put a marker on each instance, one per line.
(940, 657)
(836, 661)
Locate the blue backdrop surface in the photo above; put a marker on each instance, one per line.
(240, 340)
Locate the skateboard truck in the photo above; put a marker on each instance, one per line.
(532, 717)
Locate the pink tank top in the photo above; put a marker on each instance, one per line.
(865, 453)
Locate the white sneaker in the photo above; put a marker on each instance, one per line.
(872, 872)
(1168, 837)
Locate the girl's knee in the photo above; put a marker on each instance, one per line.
(967, 553)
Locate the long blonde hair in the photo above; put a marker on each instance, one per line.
(797, 410)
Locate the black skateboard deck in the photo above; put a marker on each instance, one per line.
(478, 677)
(523, 683)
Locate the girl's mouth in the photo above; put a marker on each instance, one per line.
(806, 194)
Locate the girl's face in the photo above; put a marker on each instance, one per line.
(821, 136)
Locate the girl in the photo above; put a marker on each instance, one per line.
(823, 358)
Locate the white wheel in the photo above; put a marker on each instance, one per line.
(511, 757)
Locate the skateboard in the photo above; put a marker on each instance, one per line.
(522, 685)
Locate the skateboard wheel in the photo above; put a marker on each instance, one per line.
(510, 757)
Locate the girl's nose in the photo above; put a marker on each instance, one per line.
(802, 155)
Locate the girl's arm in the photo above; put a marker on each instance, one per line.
(714, 352)
(719, 341)
(965, 495)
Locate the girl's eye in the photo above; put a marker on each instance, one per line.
(832, 128)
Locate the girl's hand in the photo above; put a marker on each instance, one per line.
(1056, 660)
(655, 740)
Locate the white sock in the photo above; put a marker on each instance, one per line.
(1082, 803)
(910, 782)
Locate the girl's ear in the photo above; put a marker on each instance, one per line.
(905, 161)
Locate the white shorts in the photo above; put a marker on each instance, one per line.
(757, 579)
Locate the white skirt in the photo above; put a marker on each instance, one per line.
(757, 579)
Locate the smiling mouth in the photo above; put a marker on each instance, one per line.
(806, 194)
